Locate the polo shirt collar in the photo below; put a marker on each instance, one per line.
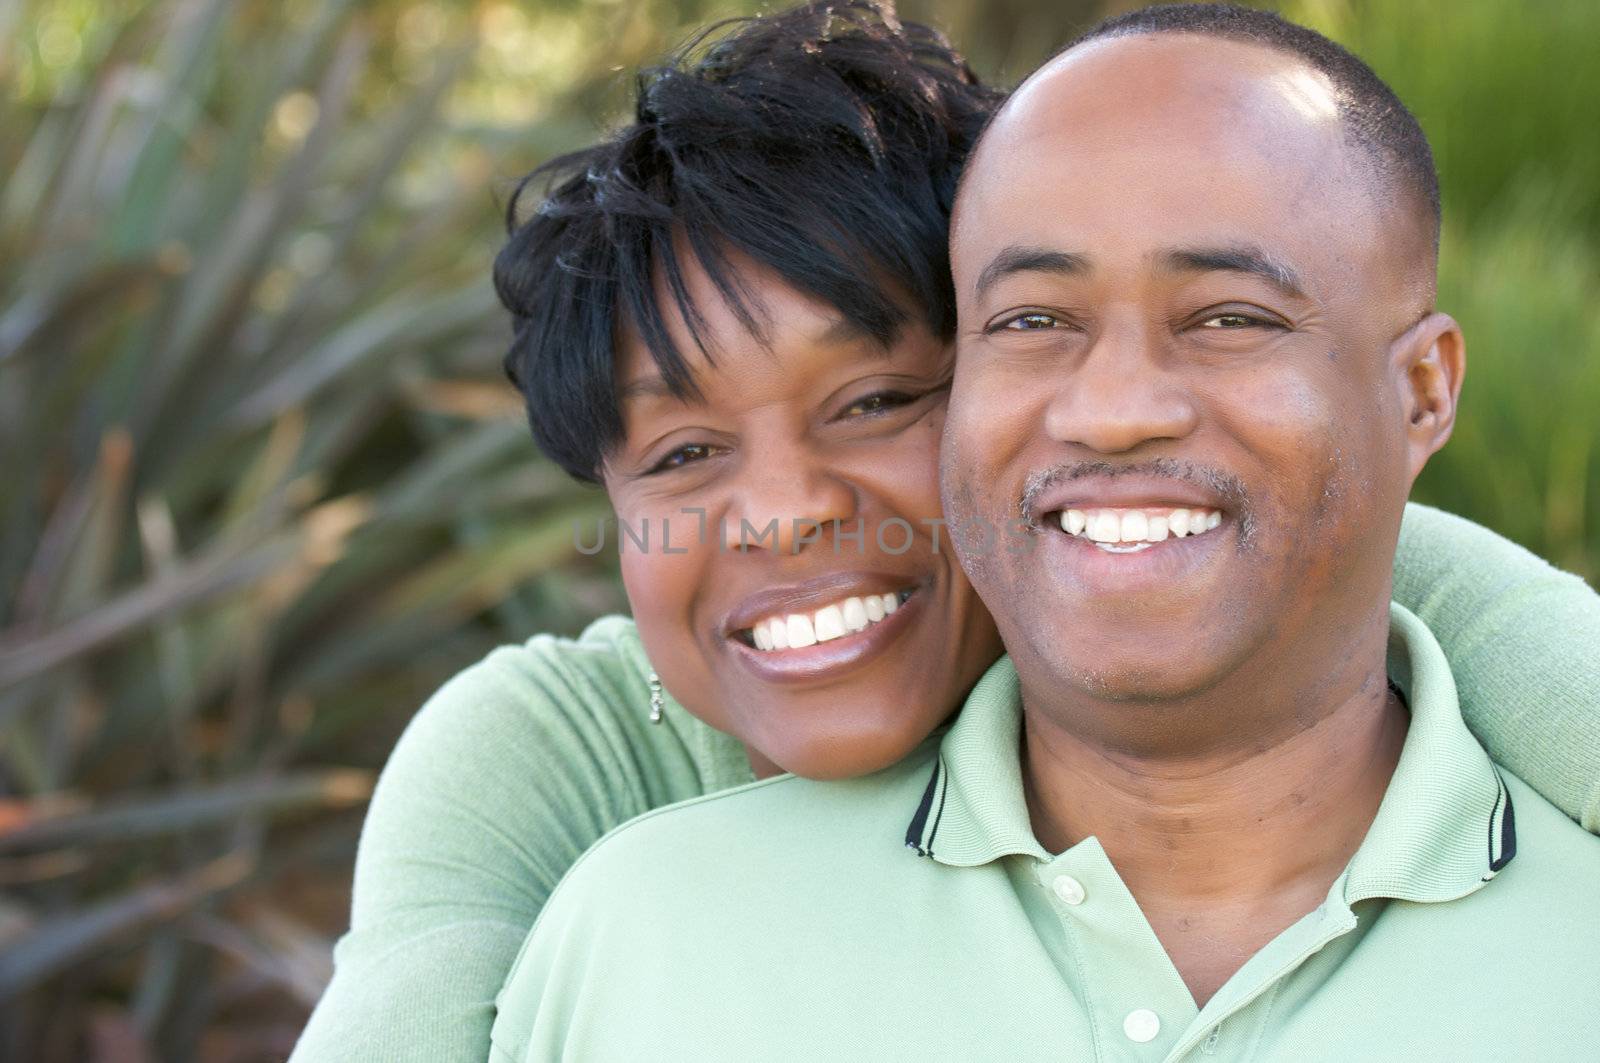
(973, 810)
(1445, 825)
(1444, 828)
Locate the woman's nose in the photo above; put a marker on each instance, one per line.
(790, 504)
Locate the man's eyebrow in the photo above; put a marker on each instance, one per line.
(1241, 258)
(1030, 260)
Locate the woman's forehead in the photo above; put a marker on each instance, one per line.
(771, 329)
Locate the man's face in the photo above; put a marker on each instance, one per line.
(1187, 304)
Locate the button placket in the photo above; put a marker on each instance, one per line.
(1068, 890)
(1141, 1025)
(1139, 1000)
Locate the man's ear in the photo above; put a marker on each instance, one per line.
(1429, 362)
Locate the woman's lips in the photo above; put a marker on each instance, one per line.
(831, 657)
(797, 630)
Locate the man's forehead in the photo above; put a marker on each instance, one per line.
(1172, 77)
(1183, 97)
(1184, 136)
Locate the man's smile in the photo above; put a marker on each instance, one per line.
(1131, 568)
(1123, 531)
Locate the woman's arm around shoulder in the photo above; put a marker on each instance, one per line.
(497, 786)
(1523, 639)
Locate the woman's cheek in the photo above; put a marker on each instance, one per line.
(663, 591)
(904, 472)
(664, 554)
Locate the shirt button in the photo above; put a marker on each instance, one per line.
(1141, 1025)
(1068, 889)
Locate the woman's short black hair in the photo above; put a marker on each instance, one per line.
(823, 142)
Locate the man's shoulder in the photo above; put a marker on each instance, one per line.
(689, 886)
(802, 822)
(1542, 902)
(737, 901)
(1511, 963)
(1555, 856)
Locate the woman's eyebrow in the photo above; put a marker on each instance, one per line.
(649, 386)
(842, 330)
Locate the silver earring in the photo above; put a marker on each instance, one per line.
(655, 698)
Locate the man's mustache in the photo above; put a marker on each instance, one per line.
(1226, 486)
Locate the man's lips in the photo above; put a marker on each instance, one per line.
(1123, 530)
(1134, 550)
(1137, 530)
(1123, 493)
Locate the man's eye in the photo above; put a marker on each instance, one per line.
(1031, 322)
(1231, 321)
(686, 455)
(877, 402)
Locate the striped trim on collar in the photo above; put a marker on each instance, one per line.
(930, 811)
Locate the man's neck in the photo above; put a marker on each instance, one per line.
(1223, 850)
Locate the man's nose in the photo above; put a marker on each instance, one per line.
(787, 502)
(1120, 393)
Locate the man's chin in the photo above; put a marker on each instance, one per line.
(1143, 667)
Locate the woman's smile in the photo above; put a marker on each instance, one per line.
(796, 631)
(794, 642)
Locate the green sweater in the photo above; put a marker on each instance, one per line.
(518, 764)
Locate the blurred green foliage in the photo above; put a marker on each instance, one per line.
(264, 488)
(1505, 93)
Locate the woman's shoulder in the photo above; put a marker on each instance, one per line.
(507, 773)
(521, 760)
(604, 664)
(552, 706)
(523, 689)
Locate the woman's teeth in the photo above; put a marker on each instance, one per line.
(799, 630)
(1126, 531)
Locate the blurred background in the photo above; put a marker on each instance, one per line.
(263, 487)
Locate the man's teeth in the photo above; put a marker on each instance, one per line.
(799, 630)
(1123, 531)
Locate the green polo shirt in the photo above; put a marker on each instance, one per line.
(913, 915)
(523, 760)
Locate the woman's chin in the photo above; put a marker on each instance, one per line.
(832, 756)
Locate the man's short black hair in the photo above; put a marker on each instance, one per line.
(1374, 118)
(823, 142)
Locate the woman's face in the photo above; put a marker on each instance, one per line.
(797, 589)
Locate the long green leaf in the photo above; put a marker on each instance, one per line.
(137, 819)
(56, 944)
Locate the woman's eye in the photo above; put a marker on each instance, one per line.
(686, 455)
(877, 403)
(1031, 322)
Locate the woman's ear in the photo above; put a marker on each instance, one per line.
(1429, 362)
